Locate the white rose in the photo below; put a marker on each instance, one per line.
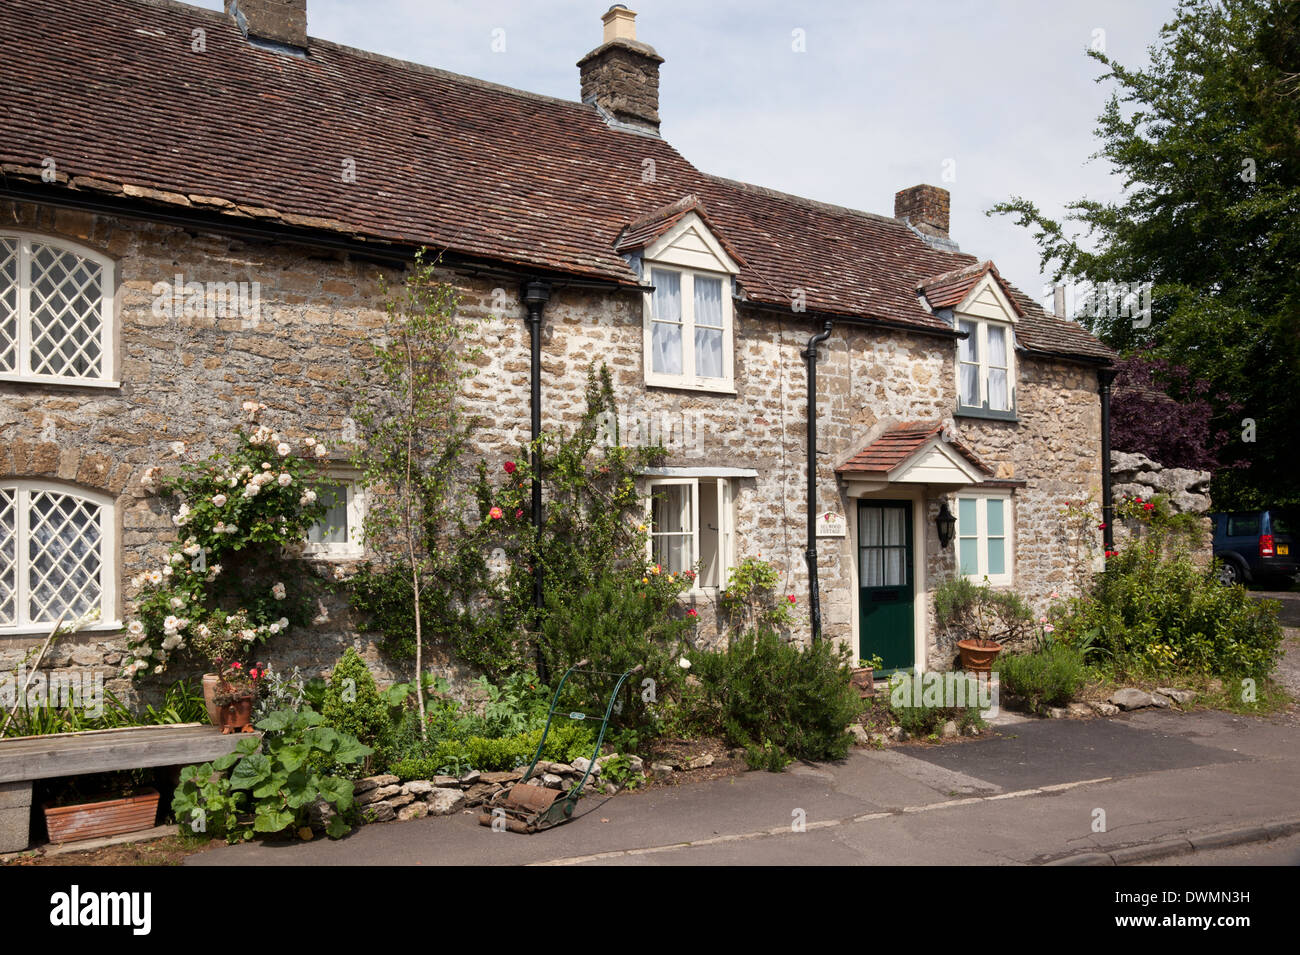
(178, 448)
(308, 497)
(277, 591)
(284, 480)
(284, 623)
(135, 628)
(252, 489)
(684, 663)
(167, 571)
(155, 577)
(177, 603)
(321, 451)
(219, 500)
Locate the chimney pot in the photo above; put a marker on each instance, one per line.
(621, 76)
(925, 207)
(277, 22)
(620, 23)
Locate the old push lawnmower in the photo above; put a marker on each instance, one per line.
(527, 807)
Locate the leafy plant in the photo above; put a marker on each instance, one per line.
(750, 600)
(268, 786)
(454, 757)
(967, 611)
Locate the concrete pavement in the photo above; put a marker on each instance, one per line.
(1037, 792)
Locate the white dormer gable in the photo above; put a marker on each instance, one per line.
(987, 300)
(690, 244)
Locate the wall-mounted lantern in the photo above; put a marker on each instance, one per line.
(946, 524)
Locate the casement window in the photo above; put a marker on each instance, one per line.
(56, 312)
(338, 533)
(691, 528)
(986, 367)
(984, 539)
(688, 330)
(58, 556)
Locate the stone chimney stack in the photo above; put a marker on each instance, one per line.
(925, 207)
(281, 23)
(621, 76)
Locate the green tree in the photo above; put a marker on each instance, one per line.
(412, 431)
(1207, 139)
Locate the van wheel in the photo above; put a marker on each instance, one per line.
(1229, 572)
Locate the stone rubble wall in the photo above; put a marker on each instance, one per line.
(1188, 492)
(184, 378)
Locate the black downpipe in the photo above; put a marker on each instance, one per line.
(814, 593)
(536, 294)
(1104, 377)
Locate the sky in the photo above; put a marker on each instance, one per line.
(987, 98)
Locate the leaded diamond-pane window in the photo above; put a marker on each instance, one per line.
(55, 311)
(56, 556)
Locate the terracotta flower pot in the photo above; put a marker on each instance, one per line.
(106, 817)
(863, 680)
(210, 682)
(237, 717)
(977, 657)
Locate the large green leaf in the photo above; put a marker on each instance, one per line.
(250, 771)
(273, 784)
(336, 790)
(271, 819)
(291, 757)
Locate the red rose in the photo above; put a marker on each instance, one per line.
(790, 597)
(692, 612)
(510, 467)
(495, 513)
(519, 512)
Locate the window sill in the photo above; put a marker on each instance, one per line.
(43, 630)
(6, 376)
(988, 414)
(724, 387)
(326, 556)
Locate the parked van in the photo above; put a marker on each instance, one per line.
(1256, 546)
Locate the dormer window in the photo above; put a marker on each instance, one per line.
(689, 315)
(978, 305)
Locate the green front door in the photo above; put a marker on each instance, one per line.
(886, 588)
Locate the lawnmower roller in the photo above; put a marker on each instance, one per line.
(528, 807)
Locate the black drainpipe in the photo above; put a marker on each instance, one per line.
(536, 293)
(1104, 377)
(814, 595)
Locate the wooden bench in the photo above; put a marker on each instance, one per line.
(28, 758)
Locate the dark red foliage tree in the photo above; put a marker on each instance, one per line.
(1159, 409)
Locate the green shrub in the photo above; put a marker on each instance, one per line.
(623, 619)
(1047, 677)
(353, 705)
(1154, 610)
(453, 757)
(766, 694)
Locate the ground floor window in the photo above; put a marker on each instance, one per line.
(338, 533)
(691, 527)
(984, 540)
(58, 556)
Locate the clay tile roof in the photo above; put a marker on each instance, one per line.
(951, 288)
(111, 90)
(899, 443)
(645, 230)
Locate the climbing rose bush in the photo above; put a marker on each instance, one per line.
(249, 506)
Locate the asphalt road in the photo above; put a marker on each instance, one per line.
(1039, 791)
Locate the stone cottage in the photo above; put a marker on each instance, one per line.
(153, 151)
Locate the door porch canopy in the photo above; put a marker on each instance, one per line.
(916, 452)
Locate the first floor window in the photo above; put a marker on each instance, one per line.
(984, 538)
(338, 533)
(57, 556)
(985, 375)
(56, 311)
(691, 528)
(689, 320)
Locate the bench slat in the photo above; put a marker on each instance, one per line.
(134, 748)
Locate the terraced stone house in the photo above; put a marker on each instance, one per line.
(148, 145)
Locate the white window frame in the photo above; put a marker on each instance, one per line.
(980, 335)
(108, 339)
(354, 547)
(726, 525)
(688, 378)
(981, 536)
(108, 557)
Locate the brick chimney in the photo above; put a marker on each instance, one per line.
(925, 207)
(281, 23)
(621, 76)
